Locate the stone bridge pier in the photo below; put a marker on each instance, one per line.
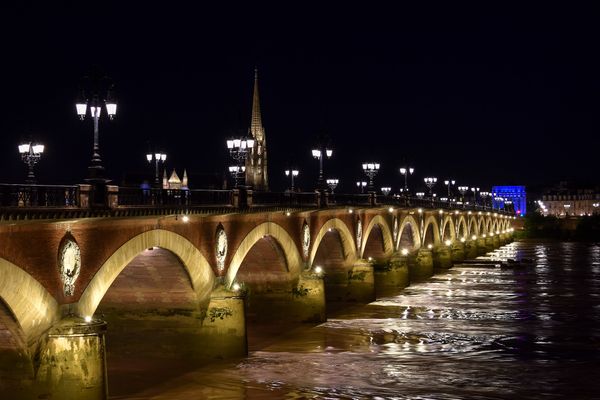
(79, 296)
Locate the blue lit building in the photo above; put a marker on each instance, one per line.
(516, 194)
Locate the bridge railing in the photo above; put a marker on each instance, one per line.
(55, 201)
(58, 196)
(291, 199)
(158, 197)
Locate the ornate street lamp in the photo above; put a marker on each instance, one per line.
(371, 169)
(449, 183)
(361, 185)
(430, 183)
(475, 190)
(319, 152)
(332, 183)
(292, 173)
(484, 196)
(239, 148)
(158, 158)
(236, 171)
(406, 171)
(386, 190)
(95, 92)
(420, 194)
(31, 153)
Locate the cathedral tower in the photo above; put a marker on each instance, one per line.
(256, 164)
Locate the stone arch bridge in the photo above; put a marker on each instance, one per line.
(62, 278)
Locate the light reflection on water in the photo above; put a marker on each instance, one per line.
(477, 332)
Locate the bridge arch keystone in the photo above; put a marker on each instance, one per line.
(201, 274)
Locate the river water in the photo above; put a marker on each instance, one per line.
(473, 331)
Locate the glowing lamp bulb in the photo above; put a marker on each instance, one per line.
(236, 287)
(318, 270)
(448, 242)
(185, 219)
(404, 252)
(87, 319)
(430, 246)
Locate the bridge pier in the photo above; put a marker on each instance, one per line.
(442, 257)
(393, 274)
(421, 267)
(471, 249)
(458, 252)
(489, 244)
(224, 325)
(496, 241)
(481, 247)
(308, 299)
(72, 361)
(361, 282)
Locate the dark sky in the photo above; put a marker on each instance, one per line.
(483, 95)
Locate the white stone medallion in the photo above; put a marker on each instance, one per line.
(221, 247)
(69, 264)
(395, 230)
(305, 240)
(358, 235)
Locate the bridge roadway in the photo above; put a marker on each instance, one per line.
(184, 279)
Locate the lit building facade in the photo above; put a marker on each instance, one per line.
(515, 195)
(565, 203)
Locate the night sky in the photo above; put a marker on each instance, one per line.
(482, 95)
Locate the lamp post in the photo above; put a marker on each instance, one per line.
(371, 169)
(420, 194)
(319, 152)
(475, 190)
(449, 183)
(484, 196)
(95, 92)
(430, 183)
(332, 183)
(158, 159)
(386, 190)
(238, 150)
(31, 153)
(462, 190)
(361, 185)
(292, 173)
(406, 171)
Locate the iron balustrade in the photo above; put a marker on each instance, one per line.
(284, 198)
(134, 196)
(56, 196)
(342, 199)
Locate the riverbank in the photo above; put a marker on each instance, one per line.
(584, 229)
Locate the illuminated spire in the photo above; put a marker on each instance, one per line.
(256, 123)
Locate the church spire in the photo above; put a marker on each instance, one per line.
(256, 123)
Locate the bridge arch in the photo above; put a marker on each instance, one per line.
(378, 221)
(410, 225)
(481, 226)
(346, 237)
(30, 303)
(448, 228)
(462, 231)
(200, 272)
(431, 231)
(495, 225)
(284, 241)
(473, 226)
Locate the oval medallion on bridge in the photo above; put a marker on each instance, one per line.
(221, 247)
(69, 263)
(395, 231)
(358, 234)
(305, 239)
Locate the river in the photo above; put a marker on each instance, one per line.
(473, 331)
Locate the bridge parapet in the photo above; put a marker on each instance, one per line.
(21, 202)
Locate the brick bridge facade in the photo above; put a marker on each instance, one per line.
(61, 279)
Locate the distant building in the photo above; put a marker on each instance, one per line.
(515, 195)
(564, 201)
(174, 182)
